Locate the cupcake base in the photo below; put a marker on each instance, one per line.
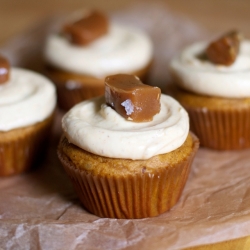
(19, 148)
(219, 123)
(73, 88)
(122, 188)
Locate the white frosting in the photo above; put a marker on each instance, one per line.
(25, 99)
(97, 128)
(121, 50)
(204, 77)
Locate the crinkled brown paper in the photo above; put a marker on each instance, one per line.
(40, 210)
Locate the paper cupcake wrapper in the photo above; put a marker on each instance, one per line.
(20, 147)
(133, 196)
(68, 97)
(221, 129)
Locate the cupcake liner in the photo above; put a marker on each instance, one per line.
(20, 147)
(132, 196)
(221, 129)
(68, 97)
(219, 123)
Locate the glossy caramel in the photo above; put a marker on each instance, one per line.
(224, 51)
(131, 98)
(87, 29)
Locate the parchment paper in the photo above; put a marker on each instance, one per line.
(40, 210)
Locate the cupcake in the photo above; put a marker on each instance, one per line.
(27, 103)
(129, 153)
(212, 82)
(87, 49)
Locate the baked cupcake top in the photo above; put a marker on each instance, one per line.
(121, 49)
(25, 99)
(194, 72)
(96, 127)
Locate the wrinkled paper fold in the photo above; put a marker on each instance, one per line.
(40, 210)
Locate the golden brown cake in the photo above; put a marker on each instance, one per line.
(27, 103)
(78, 66)
(126, 169)
(216, 96)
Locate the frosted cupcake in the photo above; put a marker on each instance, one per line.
(129, 153)
(89, 48)
(214, 86)
(27, 103)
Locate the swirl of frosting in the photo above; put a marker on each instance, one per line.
(203, 77)
(121, 50)
(25, 99)
(97, 128)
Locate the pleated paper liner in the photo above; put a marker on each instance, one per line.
(134, 195)
(73, 88)
(19, 148)
(219, 123)
(221, 129)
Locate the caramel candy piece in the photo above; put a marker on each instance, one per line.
(4, 69)
(131, 98)
(87, 29)
(225, 50)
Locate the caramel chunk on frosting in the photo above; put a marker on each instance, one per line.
(131, 98)
(4, 69)
(224, 51)
(90, 27)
